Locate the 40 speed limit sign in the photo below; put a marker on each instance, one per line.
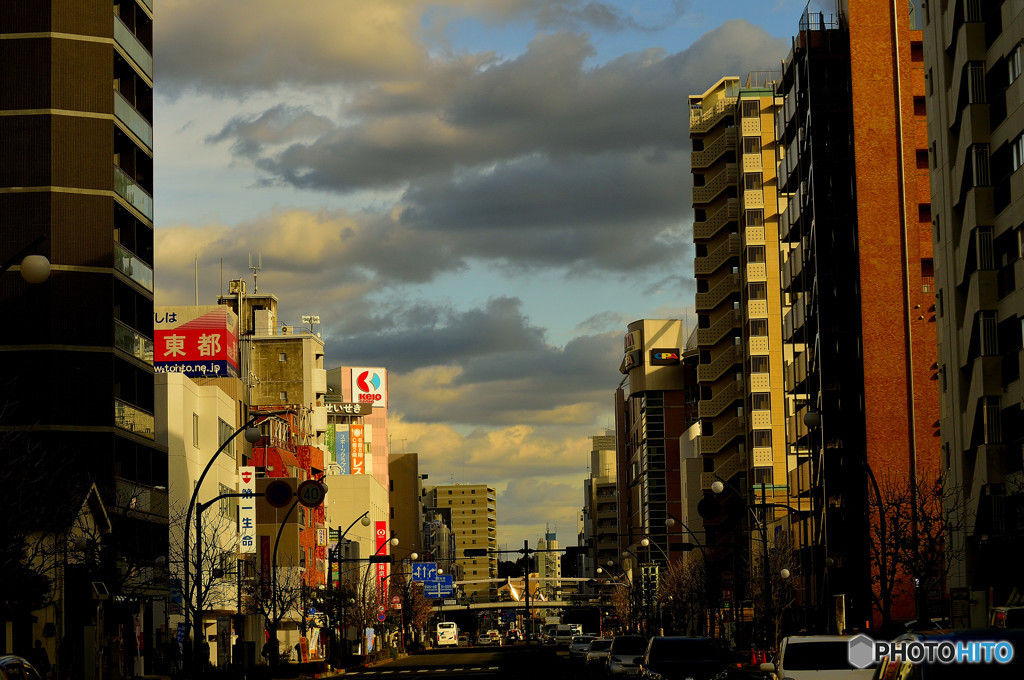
(311, 493)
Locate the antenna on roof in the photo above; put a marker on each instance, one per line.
(255, 271)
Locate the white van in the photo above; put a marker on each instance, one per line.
(563, 635)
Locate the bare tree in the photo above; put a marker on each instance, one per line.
(218, 557)
(781, 595)
(684, 586)
(275, 599)
(911, 523)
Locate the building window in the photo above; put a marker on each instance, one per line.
(758, 291)
(750, 109)
(752, 181)
(751, 145)
(1013, 63)
(195, 430)
(1018, 151)
(755, 218)
(283, 396)
(224, 432)
(762, 439)
(282, 357)
(760, 401)
(755, 254)
(758, 328)
(758, 364)
(764, 475)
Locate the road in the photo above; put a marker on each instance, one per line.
(534, 661)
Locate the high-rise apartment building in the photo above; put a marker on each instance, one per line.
(474, 524)
(739, 308)
(656, 406)
(975, 149)
(857, 277)
(76, 185)
(600, 505)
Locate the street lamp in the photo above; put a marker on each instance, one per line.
(34, 268)
(252, 435)
(364, 520)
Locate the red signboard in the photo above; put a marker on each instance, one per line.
(382, 569)
(198, 341)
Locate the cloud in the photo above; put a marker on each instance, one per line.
(277, 125)
(236, 46)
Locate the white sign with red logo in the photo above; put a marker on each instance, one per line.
(247, 510)
(382, 569)
(370, 386)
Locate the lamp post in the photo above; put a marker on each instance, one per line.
(718, 486)
(252, 435)
(364, 520)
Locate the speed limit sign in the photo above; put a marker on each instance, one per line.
(311, 493)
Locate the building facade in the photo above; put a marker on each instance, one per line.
(857, 277)
(474, 524)
(975, 149)
(76, 185)
(651, 414)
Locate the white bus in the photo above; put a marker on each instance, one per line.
(447, 634)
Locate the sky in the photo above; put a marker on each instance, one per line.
(478, 195)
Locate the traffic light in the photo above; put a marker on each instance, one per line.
(475, 552)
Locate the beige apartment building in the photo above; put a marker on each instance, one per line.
(474, 524)
(739, 305)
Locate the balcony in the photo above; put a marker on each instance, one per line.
(136, 196)
(710, 408)
(718, 330)
(133, 120)
(725, 469)
(757, 309)
(707, 373)
(133, 419)
(712, 152)
(129, 340)
(757, 271)
(761, 420)
(753, 198)
(131, 266)
(757, 345)
(726, 286)
(760, 382)
(702, 120)
(725, 433)
(133, 49)
(730, 248)
(318, 381)
(727, 177)
(753, 236)
(709, 227)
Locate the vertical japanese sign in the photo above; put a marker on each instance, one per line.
(265, 565)
(247, 510)
(358, 452)
(382, 569)
(343, 448)
(329, 444)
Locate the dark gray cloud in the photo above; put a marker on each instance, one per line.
(506, 370)
(278, 125)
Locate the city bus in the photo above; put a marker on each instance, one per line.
(447, 634)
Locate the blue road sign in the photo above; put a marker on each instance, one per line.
(440, 587)
(424, 571)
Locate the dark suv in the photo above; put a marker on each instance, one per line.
(683, 657)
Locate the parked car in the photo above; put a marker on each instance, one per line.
(1007, 617)
(563, 635)
(597, 654)
(463, 640)
(495, 636)
(18, 667)
(514, 635)
(667, 658)
(624, 653)
(483, 639)
(817, 657)
(579, 646)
